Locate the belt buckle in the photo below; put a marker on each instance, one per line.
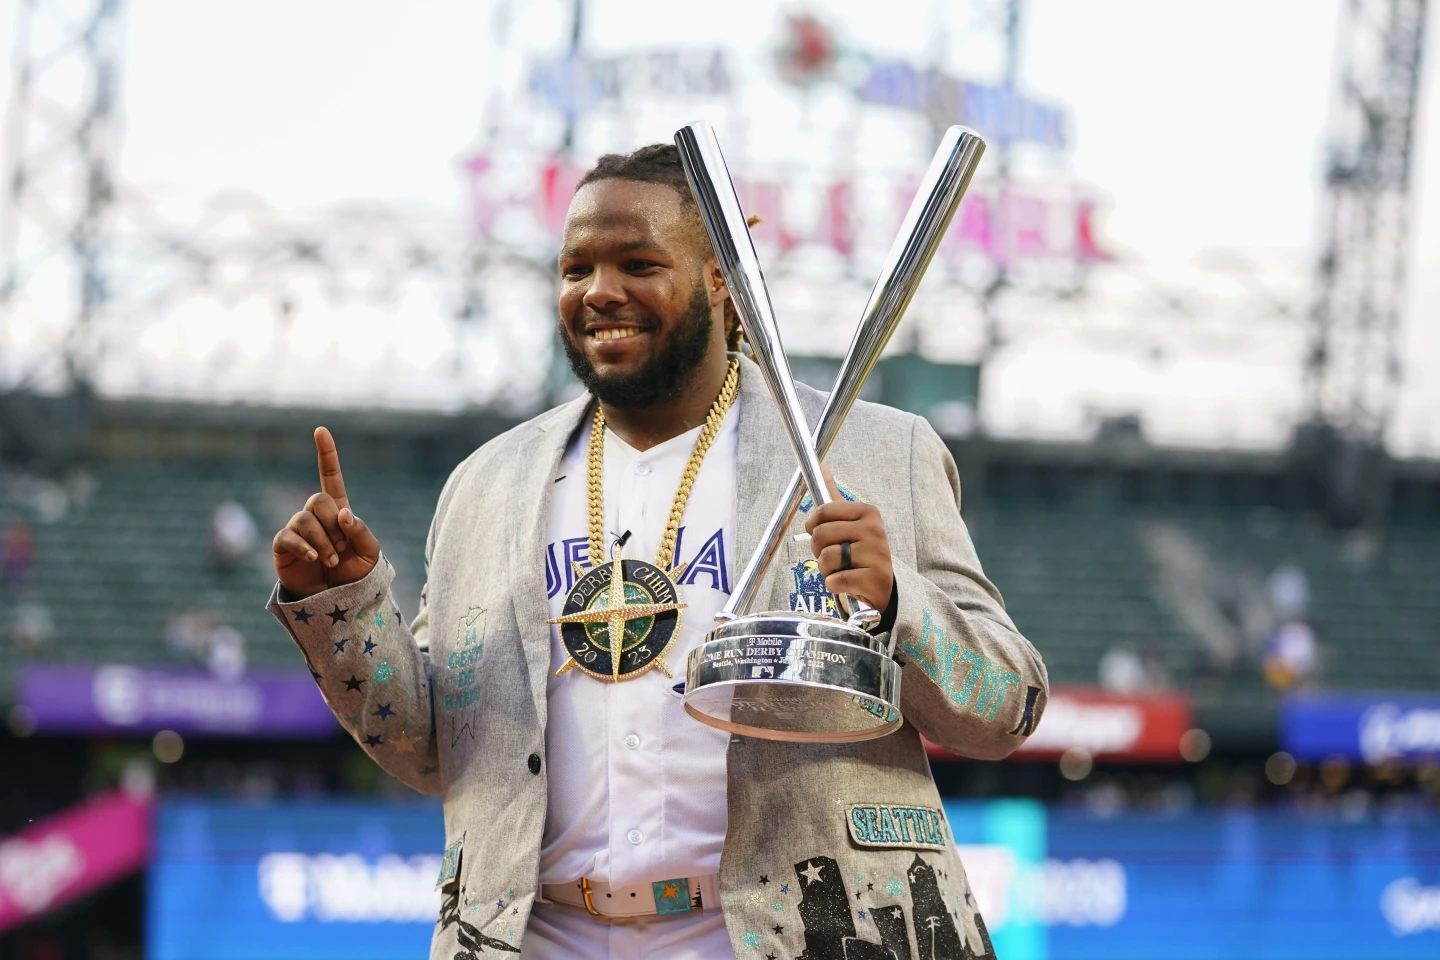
(585, 893)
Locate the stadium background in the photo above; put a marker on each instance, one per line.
(1205, 483)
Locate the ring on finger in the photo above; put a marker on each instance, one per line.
(845, 555)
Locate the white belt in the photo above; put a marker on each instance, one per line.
(663, 898)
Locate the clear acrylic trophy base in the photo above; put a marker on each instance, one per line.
(794, 676)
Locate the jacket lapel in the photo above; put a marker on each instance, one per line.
(537, 472)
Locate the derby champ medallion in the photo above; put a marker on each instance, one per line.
(625, 606)
(623, 615)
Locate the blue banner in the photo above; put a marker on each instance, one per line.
(1060, 884)
(1371, 728)
(332, 879)
(356, 881)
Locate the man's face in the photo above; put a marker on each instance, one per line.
(636, 311)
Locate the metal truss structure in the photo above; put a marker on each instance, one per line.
(1352, 370)
(59, 159)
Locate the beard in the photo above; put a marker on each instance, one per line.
(661, 378)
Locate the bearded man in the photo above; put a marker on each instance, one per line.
(586, 814)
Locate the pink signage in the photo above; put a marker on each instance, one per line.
(1019, 223)
(63, 857)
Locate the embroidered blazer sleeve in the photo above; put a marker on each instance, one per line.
(972, 683)
(372, 669)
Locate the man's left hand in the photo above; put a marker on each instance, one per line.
(870, 576)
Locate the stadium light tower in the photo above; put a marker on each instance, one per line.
(60, 146)
(1352, 370)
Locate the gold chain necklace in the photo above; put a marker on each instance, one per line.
(623, 615)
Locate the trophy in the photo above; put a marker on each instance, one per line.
(792, 675)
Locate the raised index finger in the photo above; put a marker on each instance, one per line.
(329, 458)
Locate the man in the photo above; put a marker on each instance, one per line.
(584, 809)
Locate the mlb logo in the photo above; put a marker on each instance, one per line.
(760, 673)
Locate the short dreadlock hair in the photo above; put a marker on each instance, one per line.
(660, 163)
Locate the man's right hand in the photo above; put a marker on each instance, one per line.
(324, 545)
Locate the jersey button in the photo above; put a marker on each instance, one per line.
(635, 836)
(533, 763)
(632, 741)
(642, 469)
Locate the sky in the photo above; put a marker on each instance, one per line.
(1199, 124)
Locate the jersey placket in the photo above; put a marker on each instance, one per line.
(632, 765)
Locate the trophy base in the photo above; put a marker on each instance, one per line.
(794, 676)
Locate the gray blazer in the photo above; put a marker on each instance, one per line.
(838, 850)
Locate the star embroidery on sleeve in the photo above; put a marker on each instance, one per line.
(336, 615)
(383, 711)
(860, 914)
(384, 672)
(500, 904)
(784, 888)
(340, 644)
(752, 939)
(354, 683)
(764, 879)
(303, 616)
(779, 929)
(374, 740)
(406, 744)
(379, 620)
(369, 647)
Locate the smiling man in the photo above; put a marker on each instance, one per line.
(586, 814)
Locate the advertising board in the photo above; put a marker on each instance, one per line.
(119, 698)
(332, 879)
(1367, 727)
(356, 880)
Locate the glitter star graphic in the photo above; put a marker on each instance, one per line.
(336, 615)
(374, 740)
(369, 647)
(811, 872)
(784, 888)
(860, 914)
(779, 929)
(764, 879)
(404, 744)
(752, 939)
(384, 672)
(383, 711)
(895, 887)
(753, 899)
(379, 620)
(353, 720)
(354, 683)
(303, 616)
(340, 645)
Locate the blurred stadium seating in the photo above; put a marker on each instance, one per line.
(1070, 544)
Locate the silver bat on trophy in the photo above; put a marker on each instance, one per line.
(797, 676)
